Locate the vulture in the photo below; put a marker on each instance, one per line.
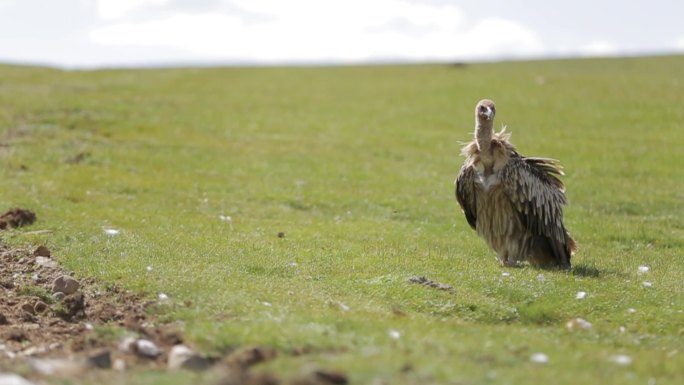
(514, 202)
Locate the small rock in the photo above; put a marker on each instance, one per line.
(394, 334)
(111, 232)
(27, 317)
(72, 306)
(41, 251)
(13, 379)
(621, 359)
(539, 358)
(27, 307)
(46, 262)
(65, 284)
(647, 284)
(146, 348)
(631, 310)
(248, 357)
(58, 367)
(102, 360)
(505, 274)
(622, 329)
(127, 344)
(58, 296)
(163, 297)
(578, 323)
(119, 365)
(40, 307)
(329, 377)
(182, 356)
(149, 269)
(643, 269)
(178, 355)
(581, 295)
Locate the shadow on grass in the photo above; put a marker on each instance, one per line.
(586, 271)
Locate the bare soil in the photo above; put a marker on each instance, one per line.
(90, 324)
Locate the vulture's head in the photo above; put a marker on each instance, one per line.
(485, 110)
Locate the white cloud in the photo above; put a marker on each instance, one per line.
(112, 9)
(679, 44)
(599, 48)
(309, 30)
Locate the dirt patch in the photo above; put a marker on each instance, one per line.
(61, 326)
(430, 283)
(16, 218)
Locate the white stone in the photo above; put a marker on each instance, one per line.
(539, 358)
(631, 310)
(46, 262)
(621, 359)
(581, 295)
(647, 284)
(578, 323)
(126, 344)
(178, 355)
(147, 348)
(163, 297)
(13, 379)
(111, 232)
(643, 269)
(65, 284)
(394, 334)
(505, 274)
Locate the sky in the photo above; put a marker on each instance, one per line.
(131, 33)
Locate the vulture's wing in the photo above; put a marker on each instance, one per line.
(465, 193)
(539, 195)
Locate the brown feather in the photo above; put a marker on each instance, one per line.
(515, 203)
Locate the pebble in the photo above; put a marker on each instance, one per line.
(394, 334)
(581, 295)
(111, 231)
(41, 251)
(27, 307)
(126, 344)
(643, 269)
(101, 359)
(58, 296)
(539, 358)
(621, 359)
(40, 307)
(59, 367)
(46, 262)
(119, 365)
(146, 348)
(183, 357)
(65, 284)
(13, 379)
(163, 297)
(577, 324)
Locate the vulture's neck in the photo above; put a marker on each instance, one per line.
(484, 132)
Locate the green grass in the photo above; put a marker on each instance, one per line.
(356, 166)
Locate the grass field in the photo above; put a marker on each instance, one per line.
(200, 169)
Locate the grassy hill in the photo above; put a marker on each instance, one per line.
(201, 169)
